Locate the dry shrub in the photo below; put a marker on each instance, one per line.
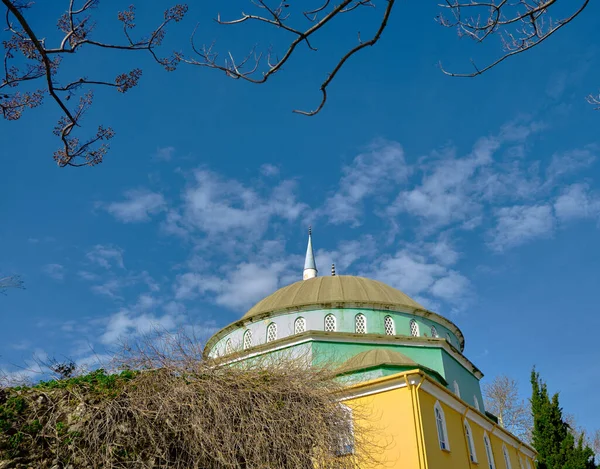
(181, 412)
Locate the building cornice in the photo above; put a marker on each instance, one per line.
(371, 339)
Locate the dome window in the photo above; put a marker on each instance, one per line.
(330, 323)
(228, 347)
(271, 332)
(247, 339)
(360, 324)
(440, 423)
(300, 326)
(434, 332)
(389, 326)
(488, 452)
(414, 328)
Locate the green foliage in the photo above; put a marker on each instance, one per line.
(97, 381)
(551, 437)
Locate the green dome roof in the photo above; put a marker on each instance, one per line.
(339, 290)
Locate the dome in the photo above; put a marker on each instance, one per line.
(332, 291)
(377, 357)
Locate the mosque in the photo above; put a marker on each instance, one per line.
(397, 358)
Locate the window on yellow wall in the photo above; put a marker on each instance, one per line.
(470, 444)
(440, 423)
(488, 451)
(521, 463)
(506, 457)
(346, 443)
(528, 465)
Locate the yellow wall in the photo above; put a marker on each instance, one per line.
(401, 425)
(387, 424)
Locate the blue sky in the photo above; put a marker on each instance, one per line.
(480, 198)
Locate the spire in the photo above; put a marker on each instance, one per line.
(310, 267)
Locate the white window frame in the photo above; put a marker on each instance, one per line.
(247, 341)
(470, 442)
(434, 332)
(347, 446)
(456, 388)
(448, 337)
(389, 320)
(528, 464)
(334, 323)
(357, 318)
(507, 462)
(299, 321)
(489, 452)
(228, 347)
(272, 327)
(440, 425)
(417, 332)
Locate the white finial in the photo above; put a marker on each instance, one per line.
(310, 267)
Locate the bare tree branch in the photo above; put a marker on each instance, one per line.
(502, 399)
(520, 25)
(10, 281)
(278, 16)
(36, 61)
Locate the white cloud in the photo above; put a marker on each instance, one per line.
(521, 223)
(138, 206)
(165, 153)
(55, 271)
(106, 256)
(215, 206)
(571, 161)
(417, 276)
(269, 170)
(345, 255)
(126, 324)
(445, 194)
(380, 167)
(238, 290)
(577, 201)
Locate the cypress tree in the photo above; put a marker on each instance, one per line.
(551, 437)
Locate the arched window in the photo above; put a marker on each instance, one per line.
(521, 463)
(456, 388)
(347, 437)
(247, 339)
(389, 326)
(448, 337)
(330, 323)
(299, 326)
(506, 457)
(228, 346)
(414, 328)
(434, 332)
(476, 402)
(528, 465)
(488, 451)
(271, 332)
(470, 444)
(360, 324)
(440, 423)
